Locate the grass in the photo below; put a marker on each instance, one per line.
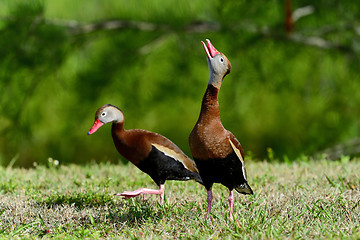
(304, 199)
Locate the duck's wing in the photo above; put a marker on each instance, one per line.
(172, 150)
(236, 146)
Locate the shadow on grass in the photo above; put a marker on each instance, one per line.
(135, 212)
(131, 212)
(79, 200)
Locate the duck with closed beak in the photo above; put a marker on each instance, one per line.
(151, 152)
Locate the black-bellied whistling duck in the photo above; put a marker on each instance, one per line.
(152, 153)
(216, 151)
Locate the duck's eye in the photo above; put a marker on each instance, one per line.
(221, 59)
(103, 114)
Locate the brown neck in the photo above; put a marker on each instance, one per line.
(118, 126)
(117, 132)
(210, 104)
(124, 143)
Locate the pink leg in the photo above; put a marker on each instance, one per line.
(231, 203)
(209, 201)
(143, 191)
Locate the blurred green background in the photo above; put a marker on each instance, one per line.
(295, 92)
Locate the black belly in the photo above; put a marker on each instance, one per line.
(161, 167)
(227, 171)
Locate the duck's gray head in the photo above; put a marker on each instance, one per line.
(105, 114)
(219, 65)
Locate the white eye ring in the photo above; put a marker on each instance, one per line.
(103, 114)
(221, 59)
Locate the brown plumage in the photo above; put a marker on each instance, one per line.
(152, 153)
(216, 151)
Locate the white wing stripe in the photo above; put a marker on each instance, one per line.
(171, 153)
(238, 153)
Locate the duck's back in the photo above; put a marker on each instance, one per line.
(155, 155)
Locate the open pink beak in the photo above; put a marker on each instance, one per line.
(210, 49)
(97, 124)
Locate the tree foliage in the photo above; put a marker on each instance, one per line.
(294, 91)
